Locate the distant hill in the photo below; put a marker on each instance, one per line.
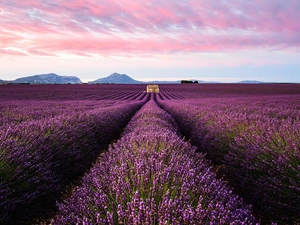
(50, 78)
(115, 78)
(250, 82)
(4, 81)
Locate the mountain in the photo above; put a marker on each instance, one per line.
(4, 81)
(115, 78)
(250, 82)
(50, 78)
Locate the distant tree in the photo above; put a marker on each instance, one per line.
(186, 81)
(195, 82)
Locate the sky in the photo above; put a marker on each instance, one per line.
(209, 40)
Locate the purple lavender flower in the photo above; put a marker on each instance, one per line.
(152, 176)
(255, 140)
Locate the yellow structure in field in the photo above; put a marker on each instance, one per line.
(153, 88)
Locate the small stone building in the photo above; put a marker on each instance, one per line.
(153, 88)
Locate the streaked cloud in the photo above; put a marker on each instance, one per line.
(113, 27)
(188, 33)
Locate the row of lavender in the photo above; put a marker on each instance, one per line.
(151, 176)
(257, 142)
(15, 112)
(39, 157)
(21, 103)
(70, 92)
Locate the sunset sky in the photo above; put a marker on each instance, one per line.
(210, 40)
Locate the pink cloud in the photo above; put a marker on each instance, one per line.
(7, 38)
(90, 27)
(39, 53)
(11, 52)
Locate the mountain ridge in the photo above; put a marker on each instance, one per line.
(250, 82)
(115, 78)
(49, 78)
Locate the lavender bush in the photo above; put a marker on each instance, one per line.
(257, 142)
(38, 158)
(70, 92)
(151, 176)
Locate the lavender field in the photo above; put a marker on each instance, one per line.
(115, 154)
